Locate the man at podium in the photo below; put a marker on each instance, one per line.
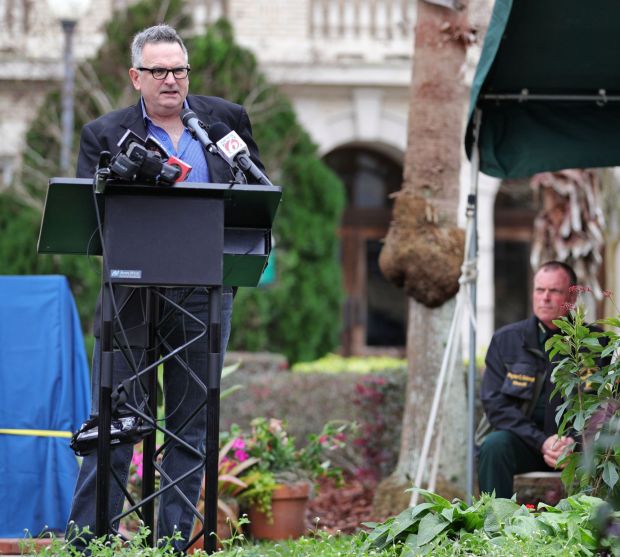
(160, 72)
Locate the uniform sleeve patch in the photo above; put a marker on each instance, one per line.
(519, 379)
(519, 382)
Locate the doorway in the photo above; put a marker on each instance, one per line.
(515, 211)
(375, 311)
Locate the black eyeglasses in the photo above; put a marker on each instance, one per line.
(162, 73)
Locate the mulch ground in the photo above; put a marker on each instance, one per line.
(341, 509)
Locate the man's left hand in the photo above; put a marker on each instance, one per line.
(555, 447)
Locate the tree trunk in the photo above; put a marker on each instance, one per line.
(424, 248)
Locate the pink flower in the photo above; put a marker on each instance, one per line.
(136, 460)
(579, 289)
(275, 426)
(238, 443)
(323, 439)
(241, 455)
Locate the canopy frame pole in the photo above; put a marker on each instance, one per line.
(471, 265)
(601, 98)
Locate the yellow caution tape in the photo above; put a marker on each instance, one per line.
(37, 432)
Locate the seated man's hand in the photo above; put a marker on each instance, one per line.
(555, 447)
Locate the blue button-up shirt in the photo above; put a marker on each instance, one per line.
(189, 150)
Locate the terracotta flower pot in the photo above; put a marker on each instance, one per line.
(289, 502)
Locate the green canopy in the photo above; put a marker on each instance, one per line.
(548, 87)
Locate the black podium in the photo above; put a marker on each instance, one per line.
(153, 238)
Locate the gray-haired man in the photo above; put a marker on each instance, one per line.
(160, 72)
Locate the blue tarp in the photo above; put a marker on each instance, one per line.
(44, 386)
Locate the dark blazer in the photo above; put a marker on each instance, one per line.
(104, 133)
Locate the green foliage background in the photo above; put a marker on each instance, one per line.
(299, 315)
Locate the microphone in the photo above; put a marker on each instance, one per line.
(233, 149)
(197, 129)
(152, 144)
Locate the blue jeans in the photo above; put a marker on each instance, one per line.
(182, 395)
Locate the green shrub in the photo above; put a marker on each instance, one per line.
(333, 363)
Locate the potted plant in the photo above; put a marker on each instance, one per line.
(280, 483)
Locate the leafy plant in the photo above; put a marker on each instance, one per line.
(261, 487)
(278, 454)
(231, 466)
(373, 401)
(492, 526)
(280, 461)
(591, 402)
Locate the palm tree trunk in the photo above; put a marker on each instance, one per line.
(423, 251)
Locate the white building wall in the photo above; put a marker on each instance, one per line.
(354, 115)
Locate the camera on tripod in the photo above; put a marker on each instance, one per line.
(140, 160)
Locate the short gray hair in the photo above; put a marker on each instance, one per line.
(557, 265)
(157, 34)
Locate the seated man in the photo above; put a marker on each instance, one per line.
(518, 433)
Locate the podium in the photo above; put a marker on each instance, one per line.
(153, 238)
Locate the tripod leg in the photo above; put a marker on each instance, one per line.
(214, 363)
(102, 496)
(149, 445)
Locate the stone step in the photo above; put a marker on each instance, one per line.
(535, 487)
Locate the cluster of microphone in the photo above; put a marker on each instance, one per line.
(146, 160)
